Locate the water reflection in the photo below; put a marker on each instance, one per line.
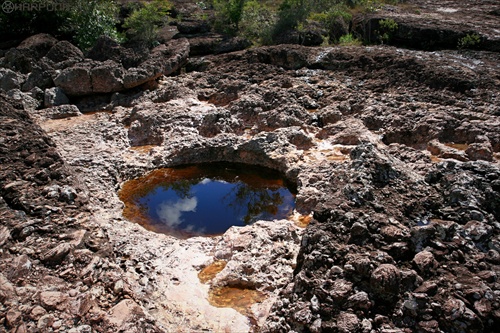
(170, 212)
(253, 204)
(206, 199)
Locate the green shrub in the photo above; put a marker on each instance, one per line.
(349, 40)
(256, 22)
(90, 19)
(204, 5)
(264, 20)
(388, 25)
(387, 28)
(371, 5)
(326, 41)
(228, 15)
(469, 41)
(81, 20)
(294, 12)
(143, 24)
(290, 14)
(335, 21)
(328, 16)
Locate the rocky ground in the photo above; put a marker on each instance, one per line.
(437, 25)
(395, 154)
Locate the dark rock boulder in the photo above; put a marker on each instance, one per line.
(40, 77)
(91, 77)
(25, 57)
(212, 43)
(311, 35)
(18, 61)
(385, 282)
(290, 57)
(107, 77)
(108, 49)
(55, 255)
(425, 262)
(75, 80)
(190, 27)
(164, 60)
(233, 44)
(38, 45)
(26, 99)
(459, 318)
(55, 97)
(480, 151)
(10, 79)
(63, 51)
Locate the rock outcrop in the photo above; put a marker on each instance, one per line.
(41, 62)
(394, 154)
(94, 77)
(400, 215)
(427, 25)
(46, 231)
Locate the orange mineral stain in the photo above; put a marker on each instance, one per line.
(238, 298)
(143, 149)
(458, 146)
(208, 273)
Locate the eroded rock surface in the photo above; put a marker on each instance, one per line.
(397, 232)
(92, 77)
(51, 253)
(42, 63)
(431, 25)
(395, 153)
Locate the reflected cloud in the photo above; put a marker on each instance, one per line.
(170, 212)
(192, 229)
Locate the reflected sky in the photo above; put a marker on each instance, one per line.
(169, 212)
(206, 206)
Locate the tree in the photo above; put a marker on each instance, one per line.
(256, 22)
(83, 21)
(89, 20)
(144, 22)
(228, 15)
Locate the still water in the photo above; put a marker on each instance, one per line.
(206, 199)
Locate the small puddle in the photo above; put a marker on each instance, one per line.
(208, 273)
(337, 157)
(240, 299)
(457, 146)
(143, 149)
(300, 220)
(435, 159)
(206, 199)
(235, 297)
